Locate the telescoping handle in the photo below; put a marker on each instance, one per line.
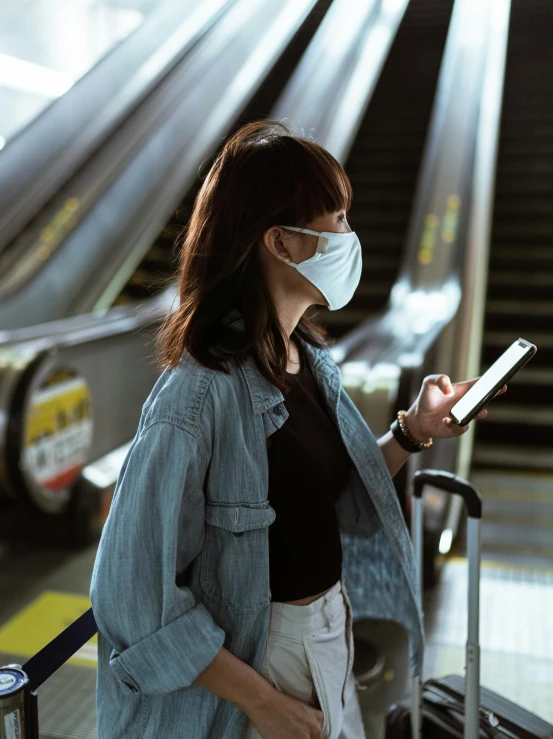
(451, 483)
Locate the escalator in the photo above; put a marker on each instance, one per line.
(513, 450)
(103, 219)
(49, 149)
(112, 338)
(158, 265)
(383, 164)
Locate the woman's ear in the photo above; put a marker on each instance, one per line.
(274, 240)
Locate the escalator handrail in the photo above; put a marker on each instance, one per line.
(433, 322)
(308, 85)
(44, 154)
(345, 83)
(116, 201)
(430, 299)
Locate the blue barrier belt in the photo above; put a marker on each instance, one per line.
(51, 657)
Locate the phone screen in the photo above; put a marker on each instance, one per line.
(489, 380)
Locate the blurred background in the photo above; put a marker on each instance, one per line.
(441, 112)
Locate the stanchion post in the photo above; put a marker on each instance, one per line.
(18, 705)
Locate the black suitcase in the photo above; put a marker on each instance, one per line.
(439, 708)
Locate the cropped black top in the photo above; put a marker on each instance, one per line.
(308, 467)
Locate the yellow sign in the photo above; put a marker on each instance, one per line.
(451, 219)
(54, 232)
(428, 240)
(43, 619)
(58, 431)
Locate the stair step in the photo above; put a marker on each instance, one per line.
(524, 187)
(533, 376)
(523, 258)
(537, 486)
(524, 393)
(512, 456)
(503, 339)
(530, 291)
(345, 317)
(527, 538)
(372, 288)
(519, 307)
(518, 315)
(530, 231)
(512, 209)
(508, 413)
(377, 218)
(380, 261)
(523, 511)
(516, 277)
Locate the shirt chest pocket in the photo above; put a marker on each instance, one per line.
(235, 560)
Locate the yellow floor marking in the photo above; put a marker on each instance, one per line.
(43, 619)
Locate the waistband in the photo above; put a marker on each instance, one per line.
(300, 620)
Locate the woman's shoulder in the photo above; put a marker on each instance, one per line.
(189, 394)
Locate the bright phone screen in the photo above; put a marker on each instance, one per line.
(489, 379)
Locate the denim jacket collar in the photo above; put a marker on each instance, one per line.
(265, 395)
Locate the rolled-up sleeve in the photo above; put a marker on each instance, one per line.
(161, 637)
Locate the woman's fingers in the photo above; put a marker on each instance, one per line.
(457, 430)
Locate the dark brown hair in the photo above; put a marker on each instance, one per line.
(263, 176)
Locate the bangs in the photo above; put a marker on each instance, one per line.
(324, 186)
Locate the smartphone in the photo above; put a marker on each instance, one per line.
(493, 379)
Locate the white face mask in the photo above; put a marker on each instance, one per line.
(336, 266)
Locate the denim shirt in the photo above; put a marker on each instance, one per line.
(182, 567)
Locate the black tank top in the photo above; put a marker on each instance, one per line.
(308, 467)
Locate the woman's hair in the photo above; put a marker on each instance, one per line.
(263, 176)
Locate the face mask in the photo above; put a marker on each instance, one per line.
(336, 266)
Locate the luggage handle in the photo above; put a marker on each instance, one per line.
(451, 483)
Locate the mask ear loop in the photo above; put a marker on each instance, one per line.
(322, 243)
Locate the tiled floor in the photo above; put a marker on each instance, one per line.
(516, 634)
(516, 631)
(47, 45)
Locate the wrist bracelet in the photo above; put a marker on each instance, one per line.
(404, 438)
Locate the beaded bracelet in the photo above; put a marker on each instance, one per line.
(405, 438)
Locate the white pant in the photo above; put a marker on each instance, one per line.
(309, 654)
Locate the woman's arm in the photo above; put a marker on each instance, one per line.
(234, 680)
(394, 454)
(162, 638)
(428, 417)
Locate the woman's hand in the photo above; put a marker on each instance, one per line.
(286, 717)
(429, 414)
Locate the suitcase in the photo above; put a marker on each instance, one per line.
(454, 706)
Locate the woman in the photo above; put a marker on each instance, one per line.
(253, 489)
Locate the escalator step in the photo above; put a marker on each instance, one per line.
(514, 456)
(519, 315)
(495, 342)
